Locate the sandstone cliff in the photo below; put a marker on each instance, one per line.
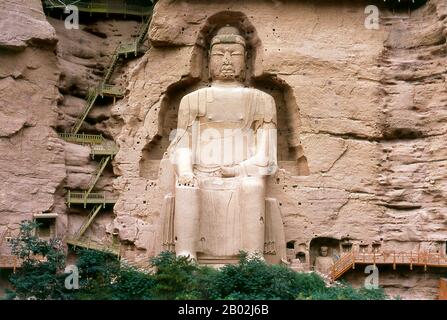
(362, 114)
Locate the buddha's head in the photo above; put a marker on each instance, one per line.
(227, 55)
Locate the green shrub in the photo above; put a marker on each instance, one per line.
(175, 277)
(102, 277)
(133, 285)
(41, 273)
(344, 291)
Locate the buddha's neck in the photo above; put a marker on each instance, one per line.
(227, 84)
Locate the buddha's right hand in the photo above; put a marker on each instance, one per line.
(187, 180)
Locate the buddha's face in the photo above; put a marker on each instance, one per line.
(323, 251)
(227, 62)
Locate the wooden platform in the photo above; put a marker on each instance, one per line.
(88, 244)
(102, 7)
(81, 197)
(424, 259)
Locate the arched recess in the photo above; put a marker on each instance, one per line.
(289, 148)
(318, 242)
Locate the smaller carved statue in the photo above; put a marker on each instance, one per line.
(323, 263)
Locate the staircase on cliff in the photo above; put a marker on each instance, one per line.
(90, 198)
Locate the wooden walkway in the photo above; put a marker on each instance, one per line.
(102, 7)
(81, 197)
(9, 262)
(424, 259)
(98, 145)
(92, 245)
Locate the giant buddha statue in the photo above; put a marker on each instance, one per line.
(223, 150)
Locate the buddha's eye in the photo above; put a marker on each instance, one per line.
(236, 53)
(218, 53)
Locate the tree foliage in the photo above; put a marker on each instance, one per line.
(39, 276)
(103, 277)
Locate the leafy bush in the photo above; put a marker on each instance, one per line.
(252, 278)
(40, 275)
(103, 277)
(97, 272)
(344, 291)
(133, 285)
(175, 277)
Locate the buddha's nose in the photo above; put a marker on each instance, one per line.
(227, 58)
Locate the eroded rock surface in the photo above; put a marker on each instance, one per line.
(362, 118)
(370, 108)
(32, 158)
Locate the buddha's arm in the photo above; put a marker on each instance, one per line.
(182, 149)
(263, 162)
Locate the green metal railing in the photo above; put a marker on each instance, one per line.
(111, 90)
(122, 50)
(98, 145)
(91, 216)
(97, 174)
(81, 197)
(82, 138)
(135, 47)
(107, 149)
(112, 65)
(92, 95)
(114, 249)
(104, 6)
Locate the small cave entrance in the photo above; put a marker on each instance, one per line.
(404, 5)
(332, 244)
(46, 227)
(346, 245)
(301, 256)
(290, 245)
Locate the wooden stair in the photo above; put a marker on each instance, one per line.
(92, 95)
(97, 174)
(88, 221)
(98, 145)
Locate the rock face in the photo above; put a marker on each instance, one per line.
(23, 23)
(361, 117)
(32, 158)
(364, 111)
(45, 71)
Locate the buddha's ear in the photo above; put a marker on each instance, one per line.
(208, 64)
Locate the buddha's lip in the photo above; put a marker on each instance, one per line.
(226, 70)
